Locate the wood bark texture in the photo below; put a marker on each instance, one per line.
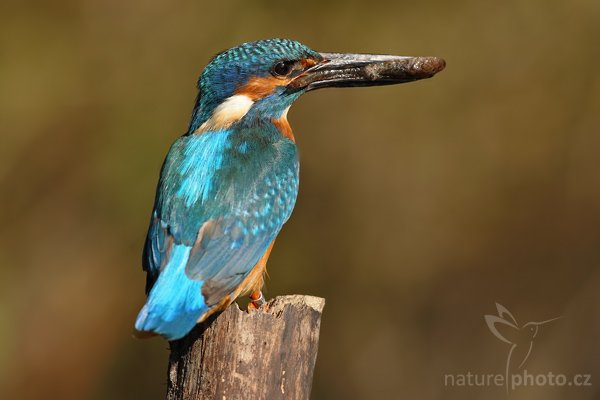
(269, 353)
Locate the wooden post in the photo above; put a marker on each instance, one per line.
(269, 353)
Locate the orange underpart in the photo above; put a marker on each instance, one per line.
(284, 127)
(254, 280)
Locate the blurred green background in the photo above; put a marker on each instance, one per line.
(420, 206)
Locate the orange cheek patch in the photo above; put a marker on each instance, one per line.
(258, 88)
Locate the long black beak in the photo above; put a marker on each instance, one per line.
(350, 70)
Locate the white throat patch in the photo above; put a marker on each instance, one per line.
(227, 113)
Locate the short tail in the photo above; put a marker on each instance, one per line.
(174, 303)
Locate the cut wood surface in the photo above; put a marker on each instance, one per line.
(268, 353)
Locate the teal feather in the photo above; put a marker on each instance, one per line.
(223, 195)
(244, 182)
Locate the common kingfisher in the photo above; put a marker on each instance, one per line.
(230, 182)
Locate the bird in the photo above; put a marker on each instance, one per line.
(520, 337)
(230, 182)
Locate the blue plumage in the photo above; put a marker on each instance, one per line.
(223, 195)
(229, 184)
(222, 198)
(174, 304)
(231, 68)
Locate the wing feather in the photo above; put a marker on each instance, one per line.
(226, 198)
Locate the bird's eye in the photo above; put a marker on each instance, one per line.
(282, 68)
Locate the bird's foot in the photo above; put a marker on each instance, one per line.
(256, 300)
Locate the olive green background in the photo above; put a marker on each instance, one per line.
(421, 205)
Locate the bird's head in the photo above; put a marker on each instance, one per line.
(262, 79)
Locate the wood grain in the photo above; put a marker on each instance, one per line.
(268, 353)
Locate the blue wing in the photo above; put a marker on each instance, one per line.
(222, 199)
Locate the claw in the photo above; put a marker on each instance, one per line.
(257, 300)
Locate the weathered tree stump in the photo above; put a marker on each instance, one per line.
(269, 353)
